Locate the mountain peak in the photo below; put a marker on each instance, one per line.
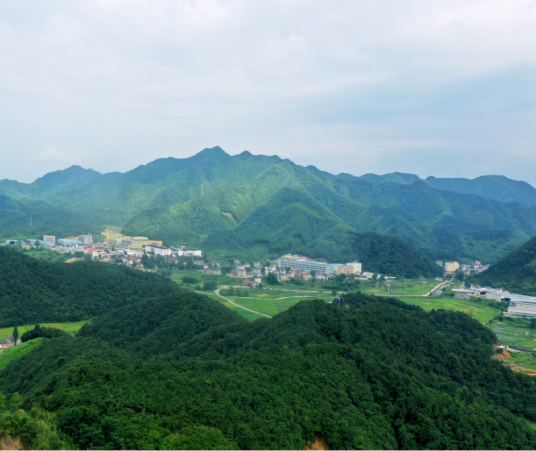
(210, 153)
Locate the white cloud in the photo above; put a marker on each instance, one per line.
(125, 82)
(52, 155)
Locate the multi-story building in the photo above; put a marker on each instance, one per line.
(452, 267)
(306, 264)
(86, 239)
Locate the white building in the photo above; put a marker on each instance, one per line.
(156, 249)
(357, 266)
(306, 264)
(184, 251)
(86, 239)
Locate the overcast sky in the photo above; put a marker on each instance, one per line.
(444, 88)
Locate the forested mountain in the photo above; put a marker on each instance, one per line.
(516, 272)
(186, 373)
(496, 187)
(493, 186)
(193, 201)
(33, 291)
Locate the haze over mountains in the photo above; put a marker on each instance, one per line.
(248, 203)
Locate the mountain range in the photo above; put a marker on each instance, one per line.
(264, 204)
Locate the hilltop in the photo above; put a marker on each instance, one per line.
(186, 373)
(199, 200)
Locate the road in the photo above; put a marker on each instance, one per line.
(217, 293)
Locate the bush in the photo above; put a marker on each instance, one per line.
(190, 280)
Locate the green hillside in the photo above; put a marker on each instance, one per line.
(379, 374)
(35, 291)
(516, 272)
(187, 201)
(496, 187)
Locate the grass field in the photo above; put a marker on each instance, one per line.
(400, 287)
(515, 332)
(11, 354)
(524, 359)
(272, 302)
(70, 328)
(478, 310)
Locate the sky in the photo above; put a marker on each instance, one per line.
(443, 88)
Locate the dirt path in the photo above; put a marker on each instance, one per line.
(217, 293)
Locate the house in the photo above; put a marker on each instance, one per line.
(241, 273)
(216, 264)
(236, 261)
(257, 265)
(5, 344)
(216, 272)
(320, 276)
(199, 263)
(207, 270)
(256, 271)
(246, 283)
(233, 273)
(258, 280)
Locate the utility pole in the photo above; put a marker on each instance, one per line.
(201, 189)
(388, 286)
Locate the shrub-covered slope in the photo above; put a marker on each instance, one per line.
(515, 272)
(34, 291)
(378, 374)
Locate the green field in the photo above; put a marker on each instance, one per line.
(70, 328)
(515, 332)
(478, 310)
(11, 354)
(524, 359)
(272, 302)
(400, 287)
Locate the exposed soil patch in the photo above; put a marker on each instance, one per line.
(9, 442)
(501, 356)
(318, 443)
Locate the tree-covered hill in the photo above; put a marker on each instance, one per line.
(185, 201)
(516, 272)
(294, 221)
(379, 374)
(33, 291)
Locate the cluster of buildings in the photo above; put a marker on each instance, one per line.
(129, 249)
(467, 269)
(519, 306)
(289, 266)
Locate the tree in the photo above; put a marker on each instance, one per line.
(271, 279)
(533, 323)
(15, 336)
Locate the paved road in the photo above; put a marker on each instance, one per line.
(217, 293)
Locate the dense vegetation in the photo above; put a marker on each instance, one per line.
(516, 272)
(43, 332)
(163, 200)
(186, 372)
(34, 291)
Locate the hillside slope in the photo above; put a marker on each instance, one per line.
(516, 272)
(379, 374)
(34, 291)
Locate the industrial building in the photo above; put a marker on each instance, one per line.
(307, 264)
(521, 306)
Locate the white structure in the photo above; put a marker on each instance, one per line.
(156, 249)
(86, 239)
(180, 251)
(306, 264)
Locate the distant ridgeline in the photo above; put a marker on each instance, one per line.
(217, 201)
(516, 272)
(34, 291)
(185, 372)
